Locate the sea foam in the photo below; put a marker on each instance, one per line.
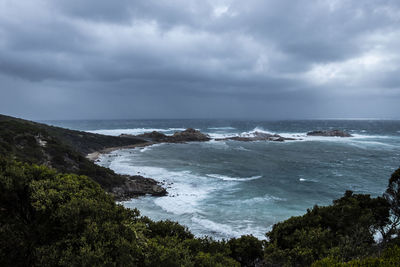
(237, 179)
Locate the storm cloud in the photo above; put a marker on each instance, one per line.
(200, 59)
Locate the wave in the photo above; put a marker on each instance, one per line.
(226, 231)
(314, 181)
(221, 128)
(252, 132)
(134, 131)
(304, 136)
(262, 199)
(216, 144)
(213, 226)
(187, 192)
(239, 179)
(185, 189)
(148, 148)
(221, 135)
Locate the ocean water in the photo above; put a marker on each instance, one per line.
(226, 189)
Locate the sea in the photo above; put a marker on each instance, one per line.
(226, 189)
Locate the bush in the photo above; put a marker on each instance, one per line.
(247, 249)
(52, 219)
(343, 230)
(63, 219)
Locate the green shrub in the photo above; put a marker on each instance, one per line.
(52, 219)
(247, 249)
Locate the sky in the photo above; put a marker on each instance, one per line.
(260, 59)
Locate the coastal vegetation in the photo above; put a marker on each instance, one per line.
(65, 150)
(57, 209)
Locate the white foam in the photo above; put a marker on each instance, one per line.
(365, 136)
(221, 145)
(135, 131)
(263, 199)
(227, 178)
(224, 230)
(252, 132)
(213, 226)
(187, 192)
(221, 135)
(185, 189)
(148, 148)
(355, 137)
(368, 144)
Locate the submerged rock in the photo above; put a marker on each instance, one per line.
(329, 133)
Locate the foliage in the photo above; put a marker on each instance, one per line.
(58, 148)
(344, 230)
(390, 257)
(55, 219)
(392, 195)
(52, 219)
(247, 249)
(166, 229)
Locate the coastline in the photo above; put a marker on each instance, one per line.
(135, 185)
(95, 155)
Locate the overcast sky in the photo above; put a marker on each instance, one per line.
(281, 59)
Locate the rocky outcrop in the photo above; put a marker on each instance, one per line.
(257, 136)
(188, 135)
(153, 136)
(329, 133)
(137, 186)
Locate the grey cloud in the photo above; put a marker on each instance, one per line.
(208, 55)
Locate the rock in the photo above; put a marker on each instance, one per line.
(329, 133)
(154, 136)
(258, 136)
(189, 135)
(138, 186)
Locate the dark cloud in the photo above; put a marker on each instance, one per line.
(186, 58)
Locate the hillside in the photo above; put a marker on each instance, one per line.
(65, 151)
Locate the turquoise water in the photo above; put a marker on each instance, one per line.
(228, 188)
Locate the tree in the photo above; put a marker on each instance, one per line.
(392, 196)
(344, 229)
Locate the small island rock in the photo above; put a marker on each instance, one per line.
(329, 133)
